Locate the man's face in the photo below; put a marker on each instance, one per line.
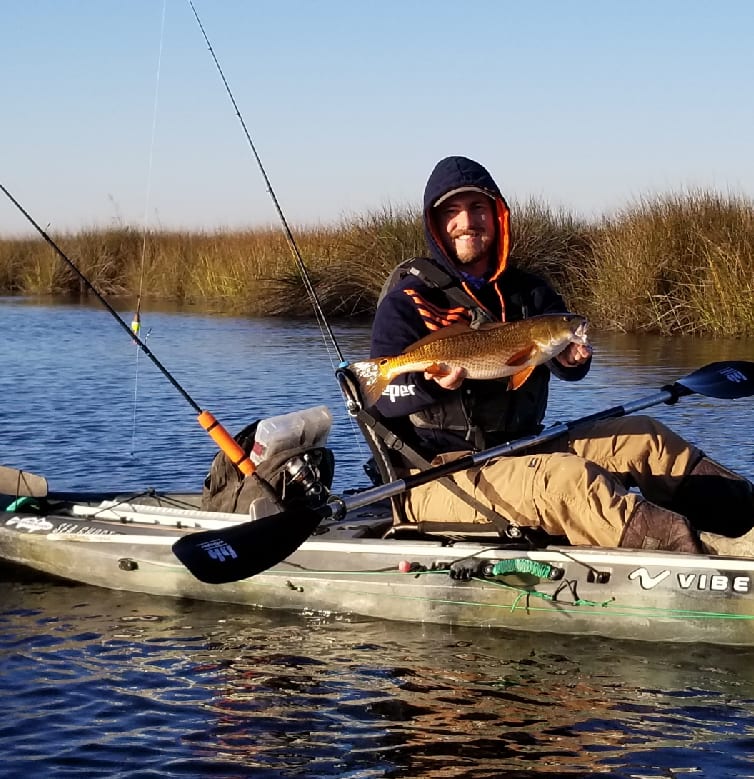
(466, 223)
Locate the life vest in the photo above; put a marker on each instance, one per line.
(431, 274)
(482, 413)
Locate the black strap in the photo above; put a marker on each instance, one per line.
(431, 274)
(376, 432)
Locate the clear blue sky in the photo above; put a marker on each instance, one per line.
(586, 105)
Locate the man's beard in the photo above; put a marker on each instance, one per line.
(468, 252)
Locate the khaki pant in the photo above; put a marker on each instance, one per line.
(578, 488)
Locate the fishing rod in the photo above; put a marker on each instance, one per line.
(288, 234)
(205, 418)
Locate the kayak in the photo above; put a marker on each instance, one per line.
(328, 554)
(358, 567)
(319, 552)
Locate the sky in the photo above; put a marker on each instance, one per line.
(113, 113)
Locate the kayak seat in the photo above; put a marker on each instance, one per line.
(382, 442)
(393, 458)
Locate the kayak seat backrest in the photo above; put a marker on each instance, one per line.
(393, 458)
(384, 465)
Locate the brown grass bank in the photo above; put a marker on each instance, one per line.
(680, 263)
(676, 263)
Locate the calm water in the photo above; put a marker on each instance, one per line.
(105, 684)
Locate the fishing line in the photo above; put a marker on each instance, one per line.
(324, 325)
(288, 234)
(205, 418)
(136, 321)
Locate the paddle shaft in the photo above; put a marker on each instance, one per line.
(557, 430)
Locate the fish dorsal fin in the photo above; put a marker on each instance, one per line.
(522, 356)
(519, 378)
(457, 328)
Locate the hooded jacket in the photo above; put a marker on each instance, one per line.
(481, 413)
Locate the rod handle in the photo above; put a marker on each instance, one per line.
(226, 442)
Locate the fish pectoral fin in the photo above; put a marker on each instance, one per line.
(437, 369)
(519, 378)
(522, 356)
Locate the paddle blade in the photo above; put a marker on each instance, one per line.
(234, 553)
(727, 380)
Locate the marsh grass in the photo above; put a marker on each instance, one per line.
(669, 264)
(365, 251)
(555, 245)
(675, 263)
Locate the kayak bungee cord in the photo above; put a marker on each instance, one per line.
(288, 234)
(205, 418)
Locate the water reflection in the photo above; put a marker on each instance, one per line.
(116, 682)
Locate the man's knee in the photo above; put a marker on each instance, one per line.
(568, 475)
(577, 497)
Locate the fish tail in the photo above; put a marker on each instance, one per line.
(372, 381)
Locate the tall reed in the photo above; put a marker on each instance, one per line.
(677, 263)
(555, 245)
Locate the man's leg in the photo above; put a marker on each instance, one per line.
(669, 471)
(562, 494)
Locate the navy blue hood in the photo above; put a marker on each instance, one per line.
(454, 173)
(459, 173)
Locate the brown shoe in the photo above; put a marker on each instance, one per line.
(653, 527)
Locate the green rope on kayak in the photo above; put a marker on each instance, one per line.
(546, 596)
(522, 565)
(541, 571)
(608, 609)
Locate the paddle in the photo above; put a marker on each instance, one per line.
(230, 554)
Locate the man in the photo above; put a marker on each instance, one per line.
(578, 486)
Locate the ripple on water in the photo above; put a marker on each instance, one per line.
(123, 685)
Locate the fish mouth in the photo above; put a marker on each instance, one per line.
(581, 333)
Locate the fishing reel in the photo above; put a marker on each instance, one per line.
(308, 476)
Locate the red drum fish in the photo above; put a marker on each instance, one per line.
(491, 351)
